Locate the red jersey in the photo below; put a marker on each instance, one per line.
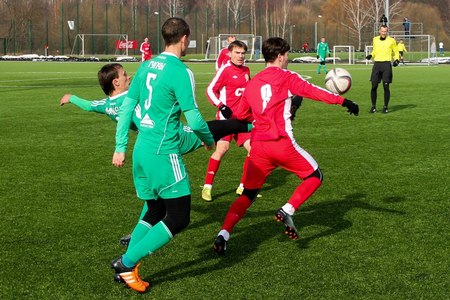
(146, 51)
(223, 58)
(266, 101)
(228, 85)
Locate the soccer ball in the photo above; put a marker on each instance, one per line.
(338, 81)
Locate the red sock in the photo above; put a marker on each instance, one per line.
(213, 166)
(236, 212)
(304, 191)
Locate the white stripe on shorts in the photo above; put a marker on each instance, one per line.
(176, 167)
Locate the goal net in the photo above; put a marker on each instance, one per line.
(101, 44)
(418, 49)
(216, 43)
(344, 55)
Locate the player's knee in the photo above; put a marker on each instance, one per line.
(177, 223)
(250, 193)
(178, 212)
(317, 174)
(374, 86)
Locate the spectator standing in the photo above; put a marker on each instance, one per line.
(441, 48)
(305, 47)
(407, 25)
(383, 20)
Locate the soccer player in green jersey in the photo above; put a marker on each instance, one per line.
(384, 51)
(322, 52)
(115, 83)
(164, 88)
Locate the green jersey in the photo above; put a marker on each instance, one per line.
(161, 100)
(110, 107)
(322, 50)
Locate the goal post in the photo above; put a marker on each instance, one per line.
(98, 43)
(418, 49)
(216, 43)
(368, 50)
(344, 54)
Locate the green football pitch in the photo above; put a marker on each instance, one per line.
(378, 227)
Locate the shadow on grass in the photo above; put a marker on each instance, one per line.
(277, 178)
(246, 241)
(394, 108)
(331, 214)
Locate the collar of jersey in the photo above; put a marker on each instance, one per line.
(119, 95)
(169, 54)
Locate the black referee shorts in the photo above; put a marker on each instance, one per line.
(382, 70)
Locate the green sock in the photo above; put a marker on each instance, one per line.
(140, 230)
(144, 210)
(158, 236)
(318, 69)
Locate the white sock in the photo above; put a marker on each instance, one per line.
(207, 186)
(241, 185)
(289, 209)
(225, 234)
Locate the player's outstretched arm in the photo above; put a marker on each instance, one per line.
(80, 102)
(65, 99)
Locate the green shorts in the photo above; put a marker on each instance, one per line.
(159, 176)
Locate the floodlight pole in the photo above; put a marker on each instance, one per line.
(386, 11)
(315, 32)
(158, 21)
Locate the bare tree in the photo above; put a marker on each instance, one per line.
(379, 7)
(237, 11)
(173, 8)
(359, 15)
(253, 16)
(267, 8)
(284, 16)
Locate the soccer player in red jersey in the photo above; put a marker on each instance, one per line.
(146, 50)
(224, 92)
(267, 102)
(224, 55)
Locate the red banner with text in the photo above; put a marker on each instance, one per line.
(124, 44)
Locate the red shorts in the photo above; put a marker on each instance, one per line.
(240, 138)
(265, 156)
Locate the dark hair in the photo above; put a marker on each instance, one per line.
(106, 75)
(237, 44)
(272, 47)
(174, 29)
(383, 26)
